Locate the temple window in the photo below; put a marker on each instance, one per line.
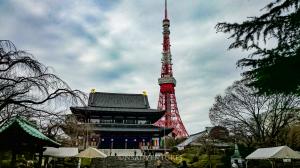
(142, 121)
(119, 119)
(95, 120)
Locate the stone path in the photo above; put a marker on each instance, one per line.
(127, 162)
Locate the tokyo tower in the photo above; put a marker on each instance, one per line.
(167, 98)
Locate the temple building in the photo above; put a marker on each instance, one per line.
(121, 121)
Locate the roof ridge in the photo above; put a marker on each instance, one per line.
(279, 148)
(201, 132)
(95, 108)
(119, 107)
(114, 93)
(24, 120)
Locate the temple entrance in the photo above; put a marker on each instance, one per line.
(124, 142)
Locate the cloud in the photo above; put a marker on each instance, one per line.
(115, 46)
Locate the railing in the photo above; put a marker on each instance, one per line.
(114, 125)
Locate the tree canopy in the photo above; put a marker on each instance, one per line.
(274, 39)
(256, 120)
(29, 89)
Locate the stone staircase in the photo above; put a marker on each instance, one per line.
(122, 152)
(128, 162)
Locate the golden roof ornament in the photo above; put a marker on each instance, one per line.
(93, 90)
(144, 93)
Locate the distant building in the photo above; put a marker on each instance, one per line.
(121, 121)
(218, 133)
(191, 139)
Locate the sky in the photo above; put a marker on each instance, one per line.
(115, 45)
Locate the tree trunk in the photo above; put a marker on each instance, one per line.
(40, 157)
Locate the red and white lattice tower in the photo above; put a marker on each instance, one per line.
(167, 98)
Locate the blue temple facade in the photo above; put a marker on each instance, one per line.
(121, 121)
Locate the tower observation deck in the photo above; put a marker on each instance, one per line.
(167, 82)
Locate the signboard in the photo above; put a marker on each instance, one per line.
(287, 160)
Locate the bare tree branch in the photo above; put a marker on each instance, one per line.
(258, 117)
(29, 89)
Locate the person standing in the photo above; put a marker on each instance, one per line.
(234, 165)
(158, 163)
(134, 153)
(146, 159)
(183, 164)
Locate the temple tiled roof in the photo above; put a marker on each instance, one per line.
(130, 128)
(28, 128)
(192, 138)
(118, 104)
(151, 114)
(109, 109)
(118, 100)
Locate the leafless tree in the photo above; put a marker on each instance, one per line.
(28, 88)
(255, 119)
(66, 129)
(291, 136)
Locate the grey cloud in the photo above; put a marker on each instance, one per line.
(115, 46)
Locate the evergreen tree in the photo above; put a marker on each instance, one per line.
(274, 39)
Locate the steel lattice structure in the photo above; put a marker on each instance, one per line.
(167, 98)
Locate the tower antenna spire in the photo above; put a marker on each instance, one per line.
(167, 99)
(166, 9)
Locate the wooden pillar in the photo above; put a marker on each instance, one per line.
(272, 163)
(40, 157)
(13, 158)
(46, 161)
(87, 126)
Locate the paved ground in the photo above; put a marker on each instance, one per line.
(128, 162)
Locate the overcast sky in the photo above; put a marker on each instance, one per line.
(115, 45)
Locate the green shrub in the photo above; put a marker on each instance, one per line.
(174, 149)
(195, 159)
(85, 162)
